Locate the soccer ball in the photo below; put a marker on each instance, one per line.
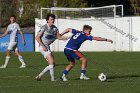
(102, 77)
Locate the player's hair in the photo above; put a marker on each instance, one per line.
(13, 16)
(87, 27)
(50, 15)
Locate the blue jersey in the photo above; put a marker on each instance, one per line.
(77, 39)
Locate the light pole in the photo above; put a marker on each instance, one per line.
(54, 3)
(21, 9)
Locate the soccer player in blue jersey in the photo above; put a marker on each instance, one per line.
(71, 49)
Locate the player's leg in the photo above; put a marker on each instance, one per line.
(83, 68)
(51, 63)
(68, 54)
(67, 69)
(80, 56)
(23, 65)
(50, 68)
(49, 57)
(10, 48)
(6, 59)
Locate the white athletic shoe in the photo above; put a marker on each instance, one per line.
(52, 79)
(63, 78)
(22, 66)
(2, 66)
(84, 77)
(38, 78)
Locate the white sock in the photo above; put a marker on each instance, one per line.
(21, 60)
(45, 70)
(52, 72)
(6, 61)
(82, 74)
(63, 75)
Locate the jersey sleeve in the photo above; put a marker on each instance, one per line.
(56, 29)
(74, 31)
(42, 30)
(8, 28)
(89, 38)
(18, 27)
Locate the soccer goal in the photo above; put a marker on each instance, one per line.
(104, 20)
(97, 12)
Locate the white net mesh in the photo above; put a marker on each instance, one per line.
(98, 12)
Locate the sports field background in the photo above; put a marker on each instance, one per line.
(122, 69)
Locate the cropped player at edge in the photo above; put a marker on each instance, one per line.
(71, 49)
(46, 36)
(12, 29)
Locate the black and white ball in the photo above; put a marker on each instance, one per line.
(102, 77)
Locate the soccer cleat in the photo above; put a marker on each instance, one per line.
(84, 77)
(2, 66)
(38, 78)
(22, 66)
(63, 78)
(53, 80)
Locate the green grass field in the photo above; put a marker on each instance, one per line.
(122, 69)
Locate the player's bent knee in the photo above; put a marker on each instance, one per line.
(7, 57)
(51, 66)
(46, 54)
(8, 53)
(72, 64)
(84, 60)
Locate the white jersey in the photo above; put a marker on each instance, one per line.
(48, 34)
(13, 29)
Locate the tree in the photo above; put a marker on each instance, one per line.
(135, 4)
(127, 7)
(27, 10)
(72, 3)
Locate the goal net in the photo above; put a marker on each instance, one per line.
(104, 21)
(98, 12)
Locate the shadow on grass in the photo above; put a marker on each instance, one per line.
(123, 76)
(79, 78)
(110, 78)
(61, 64)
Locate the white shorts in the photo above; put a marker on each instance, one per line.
(13, 46)
(45, 53)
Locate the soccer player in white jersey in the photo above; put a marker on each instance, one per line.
(47, 35)
(12, 29)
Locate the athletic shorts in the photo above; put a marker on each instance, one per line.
(12, 46)
(45, 53)
(71, 54)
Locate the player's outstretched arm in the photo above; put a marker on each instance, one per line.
(60, 37)
(22, 36)
(102, 39)
(4, 34)
(66, 31)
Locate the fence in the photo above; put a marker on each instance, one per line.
(29, 47)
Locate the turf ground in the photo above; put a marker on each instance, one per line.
(122, 69)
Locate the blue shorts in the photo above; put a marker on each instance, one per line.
(71, 55)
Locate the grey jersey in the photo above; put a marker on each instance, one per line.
(13, 29)
(48, 34)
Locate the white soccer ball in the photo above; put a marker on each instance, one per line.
(102, 77)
